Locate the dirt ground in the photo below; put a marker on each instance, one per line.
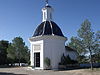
(28, 71)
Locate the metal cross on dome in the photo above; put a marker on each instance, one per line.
(46, 1)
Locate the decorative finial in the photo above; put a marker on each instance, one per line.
(46, 2)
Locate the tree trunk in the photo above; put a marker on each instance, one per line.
(91, 63)
(19, 60)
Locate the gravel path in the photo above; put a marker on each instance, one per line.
(27, 71)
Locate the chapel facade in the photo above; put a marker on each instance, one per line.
(47, 41)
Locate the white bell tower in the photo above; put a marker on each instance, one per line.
(47, 12)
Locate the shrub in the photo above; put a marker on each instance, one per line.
(67, 60)
(47, 61)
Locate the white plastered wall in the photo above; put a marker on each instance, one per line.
(53, 47)
(41, 53)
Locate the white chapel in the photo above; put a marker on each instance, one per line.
(48, 41)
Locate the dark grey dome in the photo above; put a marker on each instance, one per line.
(48, 28)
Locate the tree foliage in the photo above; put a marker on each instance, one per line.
(15, 52)
(3, 51)
(77, 44)
(86, 35)
(65, 60)
(87, 42)
(11, 54)
(47, 62)
(18, 52)
(21, 51)
(97, 43)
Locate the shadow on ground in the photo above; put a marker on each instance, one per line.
(3, 73)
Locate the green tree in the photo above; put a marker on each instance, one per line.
(86, 35)
(11, 54)
(21, 51)
(3, 51)
(87, 42)
(97, 42)
(76, 44)
(96, 47)
(47, 62)
(82, 59)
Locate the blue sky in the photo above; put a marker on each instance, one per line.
(21, 17)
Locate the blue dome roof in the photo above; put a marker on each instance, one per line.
(48, 28)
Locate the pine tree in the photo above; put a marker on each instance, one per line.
(3, 51)
(87, 42)
(21, 51)
(86, 35)
(11, 54)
